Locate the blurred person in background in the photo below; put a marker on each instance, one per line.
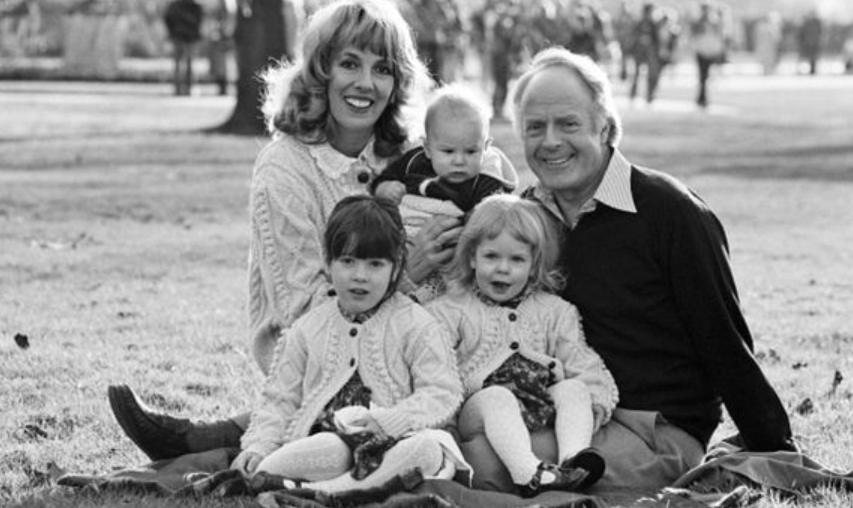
(810, 40)
(506, 47)
(437, 27)
(183, 20)
(623, 26)
(669, 32)
(709, 33)
(768, 42)
(646, 51)
(220, 42)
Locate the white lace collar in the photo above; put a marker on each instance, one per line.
(335, 164)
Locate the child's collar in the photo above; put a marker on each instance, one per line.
(512, 303)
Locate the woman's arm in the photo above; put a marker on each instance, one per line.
(287, 272)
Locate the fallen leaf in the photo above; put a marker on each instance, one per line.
(806, 407)
(836, 380)
(30, 432)
(22, 341)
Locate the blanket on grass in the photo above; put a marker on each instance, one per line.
(729, 477)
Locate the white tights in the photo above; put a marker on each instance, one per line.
(494, 411)
(324, 460)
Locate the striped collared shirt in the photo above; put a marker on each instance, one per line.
(613, 191)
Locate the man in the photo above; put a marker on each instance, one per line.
(810, 39)
(648, 268)
(183, 22)
(709, 32)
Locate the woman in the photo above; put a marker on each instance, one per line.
(337, 118)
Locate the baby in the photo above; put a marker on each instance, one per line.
(457, 162)
(455, 169)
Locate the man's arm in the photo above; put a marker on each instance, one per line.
(706, 298)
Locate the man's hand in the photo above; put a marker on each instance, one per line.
(392, 191)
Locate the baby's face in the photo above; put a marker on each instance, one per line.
(456, 144)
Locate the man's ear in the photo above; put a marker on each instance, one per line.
(605, 133)
(487, 144)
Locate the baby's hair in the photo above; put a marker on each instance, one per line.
(458, 100)
(366, 227)
(527, 222)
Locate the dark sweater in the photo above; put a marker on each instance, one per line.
(659, 304)
(414, 168)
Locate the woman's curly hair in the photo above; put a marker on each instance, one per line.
(296, 99)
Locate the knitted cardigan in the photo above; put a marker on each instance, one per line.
(294, 188)
(544, 328)
(400, 353)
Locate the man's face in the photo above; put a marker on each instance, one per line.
(563, 134)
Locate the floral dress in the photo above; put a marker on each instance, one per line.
(526, 379)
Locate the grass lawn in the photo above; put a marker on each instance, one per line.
(123, 242)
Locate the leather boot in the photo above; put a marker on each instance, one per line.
(161, 436)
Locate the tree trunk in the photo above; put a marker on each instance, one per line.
(259, 40)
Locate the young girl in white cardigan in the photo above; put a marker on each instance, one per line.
(522, 356)
(355, 380)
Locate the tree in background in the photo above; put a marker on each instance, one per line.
(265, 32)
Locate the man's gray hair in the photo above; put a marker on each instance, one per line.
(589, 72)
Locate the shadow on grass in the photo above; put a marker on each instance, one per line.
(827, 162)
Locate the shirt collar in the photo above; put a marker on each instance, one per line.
(335, 164)
(615, 188)
(613, 191)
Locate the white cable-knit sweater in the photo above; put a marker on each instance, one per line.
(401, 354)
(544, 328)
(294, 188)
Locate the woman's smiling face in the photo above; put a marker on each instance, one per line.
(360, 86)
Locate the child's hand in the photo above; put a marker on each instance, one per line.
(347, 416)
(600, 417)
(247, 462)
(368, 424)
(392, 191)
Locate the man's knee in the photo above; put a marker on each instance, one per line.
(641, 449)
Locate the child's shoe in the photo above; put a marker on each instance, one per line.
(558, 479)
(589, 461)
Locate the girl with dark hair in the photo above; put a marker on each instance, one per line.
(355, 380)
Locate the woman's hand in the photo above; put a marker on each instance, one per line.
(247, 462)
(433, 246)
